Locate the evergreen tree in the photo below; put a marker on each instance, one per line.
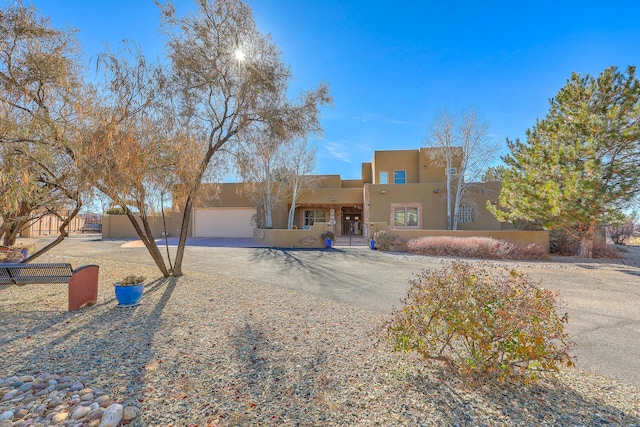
(580, 160)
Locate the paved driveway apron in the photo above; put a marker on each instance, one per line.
(603, 302)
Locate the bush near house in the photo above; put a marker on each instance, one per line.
(560, 243)
(485, 320)
(622, 232)
(474, 247)
(384, 240)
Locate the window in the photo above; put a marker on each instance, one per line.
(465, 213)
(399, 177)
(311, 217)
(452, 171)
(384, 178)
(405, 216)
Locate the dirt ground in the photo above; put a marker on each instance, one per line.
(602, 296)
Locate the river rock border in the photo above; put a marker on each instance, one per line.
(55, 400)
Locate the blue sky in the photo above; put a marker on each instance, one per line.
(393, 65)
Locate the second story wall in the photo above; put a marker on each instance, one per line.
(408, 167)
(398, 166)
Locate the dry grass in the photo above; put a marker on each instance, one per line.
(474, 247)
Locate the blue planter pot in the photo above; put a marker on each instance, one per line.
(328, 243)
(372, 244)
(129, 296)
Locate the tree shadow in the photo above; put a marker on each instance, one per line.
(107, 338)
(549, 402)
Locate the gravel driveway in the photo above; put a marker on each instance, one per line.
(602, 296)
(258, 336)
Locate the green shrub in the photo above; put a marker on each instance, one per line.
(483, 320)
(474, 247)
(328, 235)
(384, 240)
(116, 210)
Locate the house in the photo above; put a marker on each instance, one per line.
(406, 189)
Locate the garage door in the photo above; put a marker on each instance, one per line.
(223, 222)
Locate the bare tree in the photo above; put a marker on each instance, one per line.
(229, 79)
(300, 163)
(41, 99)
(260, 163)
(462, 141)
(137, 153)
(442, 137)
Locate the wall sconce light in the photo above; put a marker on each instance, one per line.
(383, 191)
(437, 190)
(424, 166)
(333, 199)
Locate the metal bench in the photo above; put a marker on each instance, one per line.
(82, 282)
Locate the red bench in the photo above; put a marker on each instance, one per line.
(82, 282)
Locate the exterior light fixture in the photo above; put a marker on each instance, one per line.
(333, 199)
(383, 191)
(437, 190)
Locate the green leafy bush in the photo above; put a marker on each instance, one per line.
(116, 210)
(384, 240)
(328, 235)
(132, 280)
(474, 247)
(484, 320)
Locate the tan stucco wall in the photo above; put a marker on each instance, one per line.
(390, 161)
(292, 238)
(433, 205)
(367, 174)
(430, 170)
(119, 226)
(483, 219)
(352, 183)
(329, 181)
(322, 196)
(224, 195)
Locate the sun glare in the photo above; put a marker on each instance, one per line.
(239, 55)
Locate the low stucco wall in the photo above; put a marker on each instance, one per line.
(119, 226)
(278, 238)
(520, 237)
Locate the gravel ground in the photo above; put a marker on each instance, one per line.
(206, 350)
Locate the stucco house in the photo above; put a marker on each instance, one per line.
(405, 189)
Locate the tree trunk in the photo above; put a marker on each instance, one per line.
(292, 209)
(11, 234)
(449, 218)
(586, 241)
(147, 238)
(457, 200)
(182, 240)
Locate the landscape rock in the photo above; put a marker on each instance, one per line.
(112, 416)
(130, 412)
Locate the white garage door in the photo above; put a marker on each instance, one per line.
(223, 222)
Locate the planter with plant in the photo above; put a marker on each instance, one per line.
(10, 256)
(328, 237)
(129, 290)
(23, 248)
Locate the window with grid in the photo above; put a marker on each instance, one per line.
(311, 217)
(399, 177)
(405, 216)
(465, 214)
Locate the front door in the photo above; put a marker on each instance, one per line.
(351, 221)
